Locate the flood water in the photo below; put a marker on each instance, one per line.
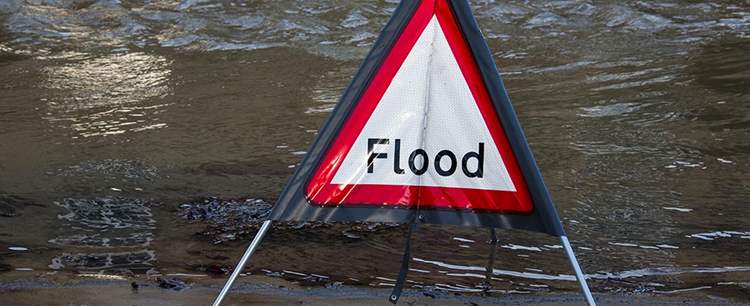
(150, 137)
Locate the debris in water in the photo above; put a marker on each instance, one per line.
(228, 218)
(172, 284)
(219, 211)
(233, 219)
(217, 269)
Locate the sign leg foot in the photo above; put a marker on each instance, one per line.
(577, 268)
(245, 257)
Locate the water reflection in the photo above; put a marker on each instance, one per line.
(658, 273)
(138, 261)
(104, 223)
(108, 95)
(114, 170)
(327, 90)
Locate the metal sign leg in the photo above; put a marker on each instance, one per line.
(241, 265)
(579, 274)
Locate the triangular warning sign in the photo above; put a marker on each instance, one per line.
(425, 128)
(424, 133)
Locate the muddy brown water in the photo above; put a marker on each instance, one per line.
(115, 114)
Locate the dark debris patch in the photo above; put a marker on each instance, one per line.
(227, 219)
(234, 219)
(214, 268)
(172, 284)
(218, 211)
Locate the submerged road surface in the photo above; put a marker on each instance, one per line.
(144, 141)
